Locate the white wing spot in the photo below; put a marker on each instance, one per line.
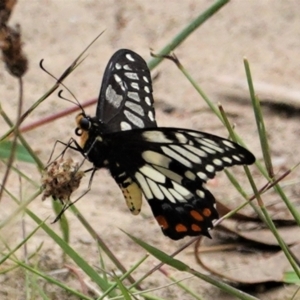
(134, 96)
(112, 97)
(148, 101)
(217, 162)
(127, 68)
(227, 159)
(181, 138)
(156, 158)
(145, 79)
(155, 189)
(135, 107)
(182, 190)
(167, 194)
(144, 185)
(177, 196)
(135, 85)
(195, 134)
(118, 66)
(117, 78)
(210, 144)
(156, 137)
(208, 150)
(125, 126)
(235, 157)
(168, 173)
(190, 175)
(150, 115)
(187, 154)
(197, 151)
(202, 176)
(151, 173)
(134, 119)
(129, 57)
(131, 75)
(200, 193)
(210, 168)
(210, 141)
(176, 156)
(229, 144)
(146, 89)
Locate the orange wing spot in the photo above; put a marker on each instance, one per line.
(180, 228)
(206, 212)
(196, 228)
(196, 215)
(162, 222)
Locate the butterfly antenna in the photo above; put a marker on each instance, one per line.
(77, 103)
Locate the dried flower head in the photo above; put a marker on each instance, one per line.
(61, 179)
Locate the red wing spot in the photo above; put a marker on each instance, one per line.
(180, 228)
(162, 222)
(196, 228)
(196, 215)
(206, 212)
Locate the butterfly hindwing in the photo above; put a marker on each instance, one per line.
(171, 166)
(125, 100)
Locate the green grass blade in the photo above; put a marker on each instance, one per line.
(160, 255)
(7, 256)
(223, 286)
(63, 221)
(123, 289)
(259, 122)
(179, 265)
(265, 146)
(178, 39)
(53, 281)
(124, 276)
(82, 264)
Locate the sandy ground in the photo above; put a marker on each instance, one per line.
(266, 32)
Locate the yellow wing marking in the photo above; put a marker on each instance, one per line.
(133, 197)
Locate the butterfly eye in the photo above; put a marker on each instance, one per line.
(84, 124)
(78, 131)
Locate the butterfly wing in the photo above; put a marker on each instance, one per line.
(171, 166)
(125, 101)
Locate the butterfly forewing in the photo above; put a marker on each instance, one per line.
(125, 101)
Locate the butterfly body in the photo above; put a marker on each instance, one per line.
(169, 166)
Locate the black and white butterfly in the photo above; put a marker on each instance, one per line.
(169, 166)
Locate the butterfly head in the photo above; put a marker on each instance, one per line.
(84, 126)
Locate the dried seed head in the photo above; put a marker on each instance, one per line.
(61, 179)
(12, 54)
(6, 7)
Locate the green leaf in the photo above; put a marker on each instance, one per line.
(21, 153)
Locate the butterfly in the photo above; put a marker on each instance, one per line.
(169, 166)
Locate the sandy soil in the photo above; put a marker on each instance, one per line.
(266, 32)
